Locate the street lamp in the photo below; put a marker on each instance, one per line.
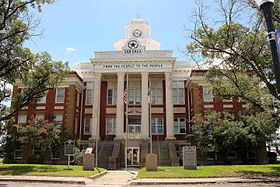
(266, 7)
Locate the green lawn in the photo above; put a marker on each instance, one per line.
(46, 170)
(213, 171)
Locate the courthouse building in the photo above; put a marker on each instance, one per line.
(91, 103)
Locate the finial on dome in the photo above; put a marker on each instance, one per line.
(138, 16)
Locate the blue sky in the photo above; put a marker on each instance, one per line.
(74, 29)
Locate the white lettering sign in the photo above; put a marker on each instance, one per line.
(133, 136)
(133, 67)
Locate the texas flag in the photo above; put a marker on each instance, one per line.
(278, 41)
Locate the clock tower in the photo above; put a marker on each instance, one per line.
(140, 30)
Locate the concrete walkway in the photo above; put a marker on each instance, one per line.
(115, 177)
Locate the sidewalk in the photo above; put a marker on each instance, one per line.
(148, 181)
(44, 179)
(49, 179)
(126, 178)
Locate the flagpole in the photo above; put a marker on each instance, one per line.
(150, 115)
(126, 121)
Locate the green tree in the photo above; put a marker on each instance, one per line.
(37, 72)
(43, 134)
(245, 133)
(234, 47)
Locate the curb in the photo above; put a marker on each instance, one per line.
(98, 175)
(190, 181)
(51, 179)
(42, 181)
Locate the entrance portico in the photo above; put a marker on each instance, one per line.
(140, 70)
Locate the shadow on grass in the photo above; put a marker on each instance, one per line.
(20, 170)
(274, 173)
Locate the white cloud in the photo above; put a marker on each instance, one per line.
(70, 49)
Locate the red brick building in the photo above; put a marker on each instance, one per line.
(162, 96)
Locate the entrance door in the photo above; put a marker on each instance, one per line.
(132, 156)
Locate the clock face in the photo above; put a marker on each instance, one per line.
(137, 33)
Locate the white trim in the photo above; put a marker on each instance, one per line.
(157, 125)
(179, 125)
(56, 90)
(90, 126)
(113, 120)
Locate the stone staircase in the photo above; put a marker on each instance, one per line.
(161, 149)
(105, 149)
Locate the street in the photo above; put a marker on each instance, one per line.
(14, 184)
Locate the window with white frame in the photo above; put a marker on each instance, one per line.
(156, 92)
(110, 126)
(207, 94)
(157, 125)
(37, 151)
(134, 124)
(227, 99)
(179, 125)
(89, 93)
(40, 117)
(87, 126)
(178, 92)
(42, 99)
(55, 155)
(78, 99)
(134, 92)
(112, 93)
(58, 119)
(18, 152)
(60, 95)
(22, 118)
(211, 156)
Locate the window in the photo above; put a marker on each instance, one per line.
(157, 125)
(18, 152)
(42, 99)
(83, 147)
(179, 125)
(55, 155)
(110, 126)
(40, 117)
(60, 94)
(227, 99)
(231, 155)
(156, 92)
(87, 126)
(178, 92)
(58, 119)
(207, 94)
(37, 151)
(78, 99)
(211, 156)
(112, 93)
(134, 92)
(134, 124)
(89, 93)
(22, 118)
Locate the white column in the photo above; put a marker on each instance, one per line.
(120, 107)
(169, 106)
(145, 106)
(96, 106)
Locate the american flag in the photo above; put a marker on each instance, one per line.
(278, 41)
(125, 94)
